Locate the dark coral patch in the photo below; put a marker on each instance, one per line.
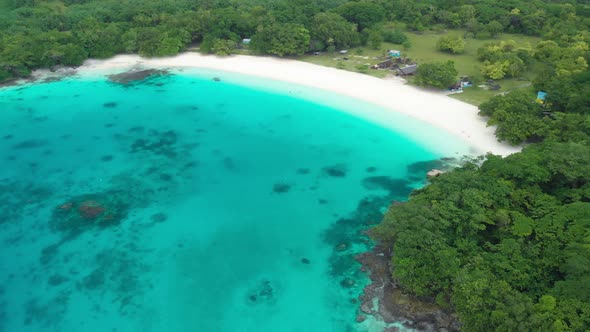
(56, 280)
(191, 164)
(398, 188)
(111, 104)
(165, 177)
(136, 129)
(159, 143)
(94, 280)
(30, 144)
(40, 119)
(281, 188)
(159, 217)
(262, 293)
(337, 171)
(303, 171)
(229, 164)
(347, 283)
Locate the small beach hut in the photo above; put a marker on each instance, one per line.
(541, 97)
(343, 52)
(246, 41)
(408, 70)
(394, 53)
(456, 87)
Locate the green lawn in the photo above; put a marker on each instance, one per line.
(476, 95)
(424, 50)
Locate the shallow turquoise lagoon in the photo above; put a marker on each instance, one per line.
(183, 203)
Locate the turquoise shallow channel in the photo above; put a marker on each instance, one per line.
(184, 203)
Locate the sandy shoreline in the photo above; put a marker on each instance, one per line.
(453, 116)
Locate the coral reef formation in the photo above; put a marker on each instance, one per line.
(91, 210)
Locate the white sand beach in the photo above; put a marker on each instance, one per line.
(451, 115)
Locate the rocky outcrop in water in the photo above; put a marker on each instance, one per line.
(393, 304)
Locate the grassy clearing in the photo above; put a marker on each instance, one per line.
(424, 49)
(476, 95)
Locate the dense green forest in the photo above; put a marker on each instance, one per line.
(38, 33)
(504, 242)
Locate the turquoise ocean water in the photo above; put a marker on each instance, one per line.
(183, 203)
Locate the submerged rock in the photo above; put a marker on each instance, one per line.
(342, 247)
(417, 170)
(434, 173)
(136, 75)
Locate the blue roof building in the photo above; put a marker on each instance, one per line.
(541, 97)
(394, 53)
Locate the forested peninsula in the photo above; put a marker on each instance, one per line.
(502, 241)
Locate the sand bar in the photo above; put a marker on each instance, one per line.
(453, 116)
